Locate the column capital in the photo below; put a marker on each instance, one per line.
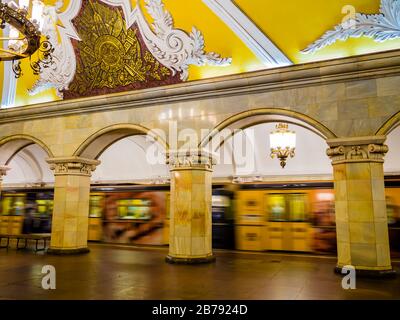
(357, 149)
(75, 166)
(3, 171)
(190, 159)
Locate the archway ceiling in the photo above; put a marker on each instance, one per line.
(29, 166)
(289, 25)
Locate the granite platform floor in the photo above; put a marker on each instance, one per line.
(114, 272)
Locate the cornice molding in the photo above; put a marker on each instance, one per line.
(318, 73)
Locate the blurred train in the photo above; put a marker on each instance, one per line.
(292, 217)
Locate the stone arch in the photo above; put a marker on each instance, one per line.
(10, 146)
(97, 143)
(250, 118)
(389, 125)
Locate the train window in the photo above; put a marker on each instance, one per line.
(44, 207)
(298, 207)
(134, 209)
(96, 206)
(13, 204)
(287, 207)
(277, 207)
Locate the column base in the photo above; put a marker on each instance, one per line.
(390, 273)
(62, 252)
(175, 260)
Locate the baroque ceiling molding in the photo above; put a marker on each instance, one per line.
(174, 48)
(248, 32)
(380, 27)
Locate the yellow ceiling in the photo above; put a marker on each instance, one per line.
(292, 25)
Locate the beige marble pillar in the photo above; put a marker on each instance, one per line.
(71, 204)
(190, 215)
(361, 218)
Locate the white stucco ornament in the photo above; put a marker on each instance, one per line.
(174, 48)
(380, 27)
(61, 72)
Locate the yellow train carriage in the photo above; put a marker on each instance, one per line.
(273, 220)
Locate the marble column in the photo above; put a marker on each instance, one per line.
(191, 208)
(71, 204)
(361, 217)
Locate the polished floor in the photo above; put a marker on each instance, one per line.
(110, 272)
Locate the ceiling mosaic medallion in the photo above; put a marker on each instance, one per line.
(110, 57)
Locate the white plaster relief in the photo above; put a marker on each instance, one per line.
(380, 27)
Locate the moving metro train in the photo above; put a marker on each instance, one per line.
(292, 217)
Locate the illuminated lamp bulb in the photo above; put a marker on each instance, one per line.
(282, 143)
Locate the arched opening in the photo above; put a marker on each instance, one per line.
(26, 195)
(133, 166)
(291, 209)
(10, 146)
(389, 125)
(253, 128)
(130, 187)
(29, 167)
(392, 177)
(392, 159)
(276, 209)
(247, 153)
(97, 143)
(264, 115)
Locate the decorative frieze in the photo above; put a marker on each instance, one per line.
(191, 159)
(73, 166)
(368, 149)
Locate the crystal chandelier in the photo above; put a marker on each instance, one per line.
(24, 38)
(283, 143)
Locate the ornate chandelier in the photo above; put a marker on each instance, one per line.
(24, 37)
(283, 143)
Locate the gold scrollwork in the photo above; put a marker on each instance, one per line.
(109, 55)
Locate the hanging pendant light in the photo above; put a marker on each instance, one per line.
(282, 143)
